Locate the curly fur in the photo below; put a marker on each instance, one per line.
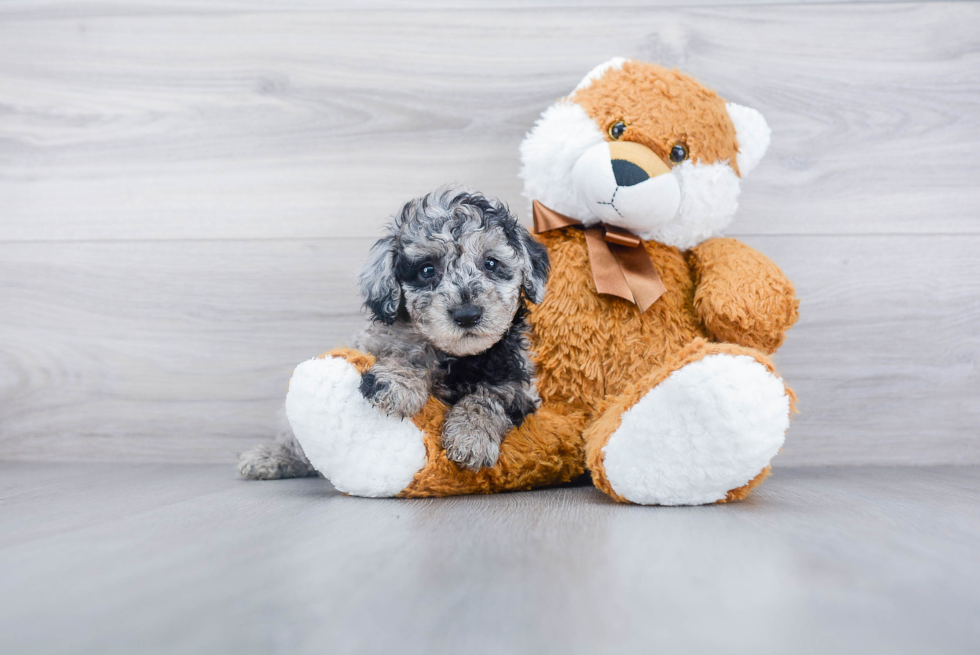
(433, 263)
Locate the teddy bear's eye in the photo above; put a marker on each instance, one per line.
(678, 153)
(616, 129)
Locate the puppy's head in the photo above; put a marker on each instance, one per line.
(455, 263)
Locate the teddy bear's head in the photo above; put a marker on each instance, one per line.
(644, 148)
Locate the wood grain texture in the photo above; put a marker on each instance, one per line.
(162, 350)
(320, 123)
(187, 190)
(187, 559)
(181, 351)
(884, 357)
(45, 9)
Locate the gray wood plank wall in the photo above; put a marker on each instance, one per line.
(186, 190)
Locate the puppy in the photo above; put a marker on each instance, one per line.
(446, 288)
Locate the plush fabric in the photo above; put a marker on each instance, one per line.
(742, 297)
(546, 449)
(692, 412)
(754, 134)
(368, 453)
(678, 404)
(660, 108)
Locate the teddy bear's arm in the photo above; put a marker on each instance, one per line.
(742, 297)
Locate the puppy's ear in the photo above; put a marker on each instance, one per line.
(379, 286)
(537, 266)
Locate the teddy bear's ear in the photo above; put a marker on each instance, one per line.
(600, 70)
(379, 286)
(752, 133)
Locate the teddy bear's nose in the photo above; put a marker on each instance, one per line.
(627, 173)
(633, 163)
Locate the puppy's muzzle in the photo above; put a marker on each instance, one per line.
(467, 316)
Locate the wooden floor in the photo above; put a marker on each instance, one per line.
(188, 559)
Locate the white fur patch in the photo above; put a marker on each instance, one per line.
(753, 135)
(564, 133)
(710, 427)
(548, 155)
(638, 208)
(709, 200)
(613, 64)
(361, 451)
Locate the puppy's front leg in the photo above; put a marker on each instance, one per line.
(475, 426)
(397, 389)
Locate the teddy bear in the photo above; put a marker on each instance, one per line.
(653, 338)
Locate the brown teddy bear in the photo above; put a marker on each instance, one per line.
(653, 336)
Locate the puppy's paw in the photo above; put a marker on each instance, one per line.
(263, 463)
(393, 394)
(470, 443)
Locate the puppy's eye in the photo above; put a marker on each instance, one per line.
(678, 153)
(490, 264)
(427, 272)
(617, 129)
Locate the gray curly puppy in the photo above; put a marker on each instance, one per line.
(446, 287)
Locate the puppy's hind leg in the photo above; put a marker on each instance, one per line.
(284, 458)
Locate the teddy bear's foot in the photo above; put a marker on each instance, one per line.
(364, 452)
(700, 431)
(360, 450)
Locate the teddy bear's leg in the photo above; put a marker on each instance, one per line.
(360, 450)
(366, 453)
(702, 429)
(546, 449)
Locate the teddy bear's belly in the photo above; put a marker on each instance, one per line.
(590, 346)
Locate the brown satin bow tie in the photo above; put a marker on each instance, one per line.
(621, 265)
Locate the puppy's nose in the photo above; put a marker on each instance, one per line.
(467, 315)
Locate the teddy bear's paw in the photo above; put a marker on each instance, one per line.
(361, 451)
(710, 427)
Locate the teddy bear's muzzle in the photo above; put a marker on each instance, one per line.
(627, 185)
(633, 163)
